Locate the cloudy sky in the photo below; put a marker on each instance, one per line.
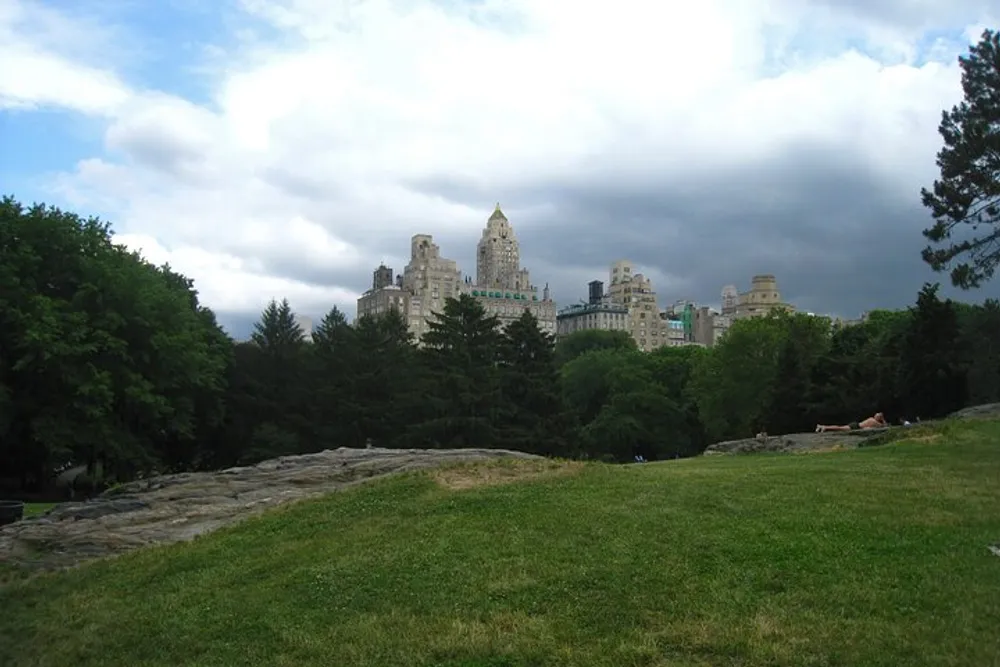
(283, 148)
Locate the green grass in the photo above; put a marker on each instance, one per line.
(875, 556)
(34, 509)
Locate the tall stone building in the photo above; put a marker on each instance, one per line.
(502, 287)
(427, 280)
(385, 293)
(430, 279)
(597, 313)
(709, 326)
(635, 292)
(763, 298)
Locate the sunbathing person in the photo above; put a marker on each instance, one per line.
(875, 421)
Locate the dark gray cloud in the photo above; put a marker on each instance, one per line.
(840, 237)
(237, 325)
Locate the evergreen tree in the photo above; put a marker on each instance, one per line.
(537, 421)
(461, 351)
(806, 340)
(334, 404)
(385, 380)
(276, 331)
(932, 378)
(968, 193)
(278, 383)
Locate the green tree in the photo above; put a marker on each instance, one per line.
(107, 359)
(461, 351)
(580, 342)
(859, 373)
(275, 389)
(968, 192)
(981, 350)
(334, 403)
(806, 340)
(537, 421)
(386, 382)
(932, 375)
(673, 368)
(733, 385)
(586, 381)
(277, 332)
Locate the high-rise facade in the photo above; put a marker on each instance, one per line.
(762, 298)
(598, 313)
(635, 292)
(430, 279)
(502, 287)
(385, 293)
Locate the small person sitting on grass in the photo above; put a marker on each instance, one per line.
(875, 421)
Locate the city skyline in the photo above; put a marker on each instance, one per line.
(282, 149)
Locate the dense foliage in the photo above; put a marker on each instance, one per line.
(110, 363)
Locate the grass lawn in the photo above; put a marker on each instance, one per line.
(33, 509)
(870, 557)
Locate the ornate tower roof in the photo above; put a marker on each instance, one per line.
(498, 214)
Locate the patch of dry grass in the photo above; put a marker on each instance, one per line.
(933, 437)
(503, 471)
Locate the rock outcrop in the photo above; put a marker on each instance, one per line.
(986, 411)
(174, 508)
(795, 442)
(811, 442)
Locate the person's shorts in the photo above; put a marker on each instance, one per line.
(854, 426)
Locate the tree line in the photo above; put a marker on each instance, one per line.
(110, 362)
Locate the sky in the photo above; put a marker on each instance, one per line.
(284, 148)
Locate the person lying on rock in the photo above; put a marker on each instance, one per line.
(875, 421)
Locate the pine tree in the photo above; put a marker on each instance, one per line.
(277, 331)
(280, 382)
(461, 352)
(385, 390)
(536, 420)
(333, 399)
(968, 192)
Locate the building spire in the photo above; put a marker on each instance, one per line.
(498, 214)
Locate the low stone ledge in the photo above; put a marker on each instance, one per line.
(173, 508)
(796, 442)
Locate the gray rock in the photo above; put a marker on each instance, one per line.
(795, 442)
(986, 411)
(805, 442)
(174, 508)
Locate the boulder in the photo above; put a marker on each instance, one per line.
(173, 508)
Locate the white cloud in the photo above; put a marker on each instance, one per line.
(42, 61)
(232, 280)
(297, 177)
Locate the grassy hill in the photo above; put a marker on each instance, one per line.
(870, 557)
